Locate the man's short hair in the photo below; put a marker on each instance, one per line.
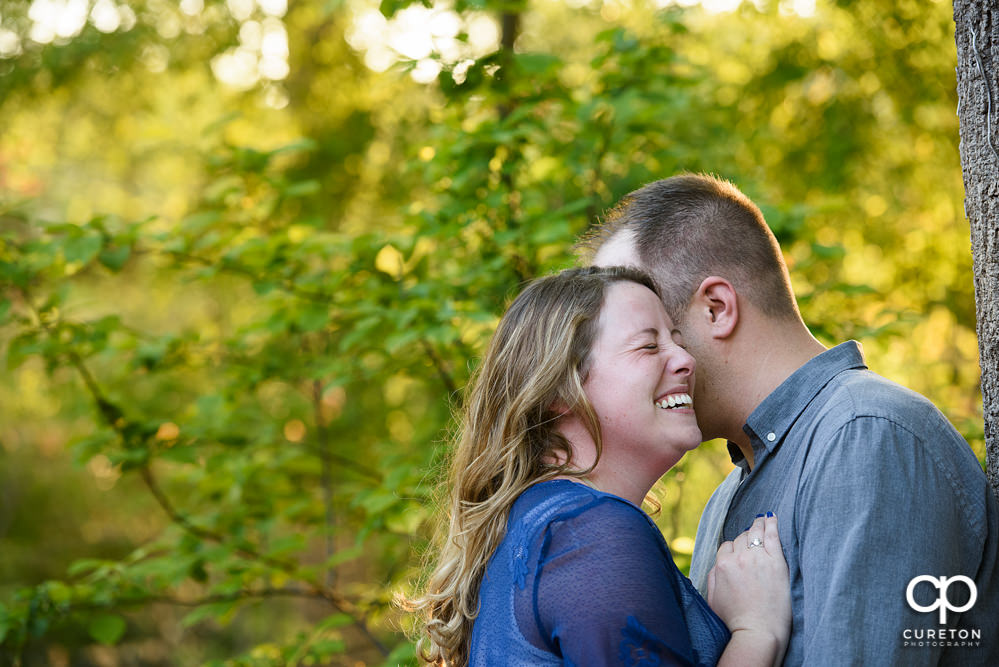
(692, 226)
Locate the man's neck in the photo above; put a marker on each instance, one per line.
(746, 447)
(772, 356)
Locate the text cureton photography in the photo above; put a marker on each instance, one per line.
(941, 636)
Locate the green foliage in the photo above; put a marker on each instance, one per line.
(253, 361)
(106, 628)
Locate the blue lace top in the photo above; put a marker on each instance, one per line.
(585, 578)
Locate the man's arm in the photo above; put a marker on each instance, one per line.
(878, 506)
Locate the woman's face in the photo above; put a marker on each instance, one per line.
(640, 382)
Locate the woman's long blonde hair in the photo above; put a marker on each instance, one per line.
(508, 440)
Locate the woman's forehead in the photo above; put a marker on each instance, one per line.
(630, 309)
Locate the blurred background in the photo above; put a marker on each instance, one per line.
(250, 251)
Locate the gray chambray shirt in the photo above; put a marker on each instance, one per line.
(872, 488)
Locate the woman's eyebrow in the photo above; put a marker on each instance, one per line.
(639, 334)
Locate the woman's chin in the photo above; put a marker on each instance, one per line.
(693, 439)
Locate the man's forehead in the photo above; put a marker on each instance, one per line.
(618, 250)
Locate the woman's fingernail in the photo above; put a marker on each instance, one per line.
(746, 528)
(759, 516)
(769, 514)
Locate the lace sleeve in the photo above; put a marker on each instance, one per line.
(605, 591)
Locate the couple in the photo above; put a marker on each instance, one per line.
(852, 487)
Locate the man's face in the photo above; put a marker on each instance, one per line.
(620, 250)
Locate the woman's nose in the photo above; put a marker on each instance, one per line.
(680, 362)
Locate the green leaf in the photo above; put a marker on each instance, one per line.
(377, 501)
(22, 347)
(89, 446)
(197, 222)
(114, 257)
(557, 230)
(83, 566)
(4, 623)
(149, 355)
(81, 248)
(403, 654)
(402, 339)
(537, 63)
(828, 251)
(326, 647)
(313, 318)
(214, 610)
(344, 556)
(852, 289)
(302, 189)
(407, 520)
(304, 145)
(107, 628)
(262, 287)
(287, 544)
(179, 454)
(335, 621)
(198, 572)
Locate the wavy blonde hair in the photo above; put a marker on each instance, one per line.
(508, 439)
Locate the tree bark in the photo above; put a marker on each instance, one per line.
(977, 36)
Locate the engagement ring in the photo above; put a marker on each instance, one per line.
(757, 542)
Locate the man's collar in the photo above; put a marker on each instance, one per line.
(738, 458)
(772, 418)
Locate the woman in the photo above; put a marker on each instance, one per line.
(582, 402)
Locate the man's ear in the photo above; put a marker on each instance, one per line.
(717, 304)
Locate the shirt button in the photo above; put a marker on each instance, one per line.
(771, 436)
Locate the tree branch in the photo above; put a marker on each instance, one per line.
(326, 477)
(320, 297)
(217, 598)
(116, 420)
(336, 600)
(439, 366)
(233, 267)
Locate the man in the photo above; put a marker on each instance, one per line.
(871, 485)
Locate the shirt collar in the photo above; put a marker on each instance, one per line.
(737, 457)
(772, 418)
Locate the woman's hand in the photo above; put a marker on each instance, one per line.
(749, 589)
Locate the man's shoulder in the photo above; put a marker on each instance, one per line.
(863, 421)
(869, 419)
(862, 394)
(873, 392)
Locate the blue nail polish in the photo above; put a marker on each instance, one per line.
(759, 516)
(746, 528)
(770, 514)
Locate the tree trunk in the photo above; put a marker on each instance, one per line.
(977, 35)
